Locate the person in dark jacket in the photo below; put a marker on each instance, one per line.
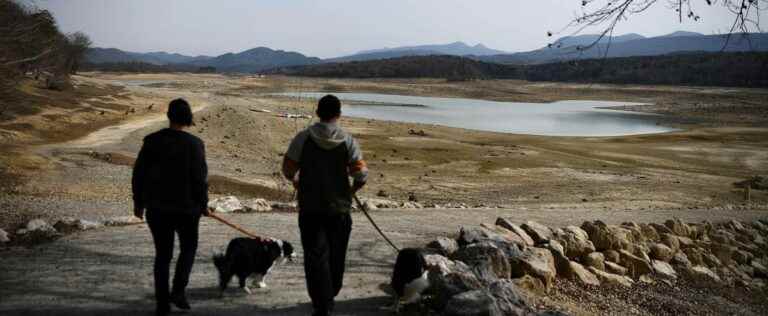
(170, 181)
(319, 161)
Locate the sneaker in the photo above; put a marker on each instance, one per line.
(180, 301)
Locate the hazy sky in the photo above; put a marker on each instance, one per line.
(331, 28)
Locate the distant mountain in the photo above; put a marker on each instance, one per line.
(257, 59)
(252, 60)
(113, 55)
(455, 49)
(654, 46)
(588, 39)
(433, 66)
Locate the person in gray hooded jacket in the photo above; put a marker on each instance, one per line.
(319, 161)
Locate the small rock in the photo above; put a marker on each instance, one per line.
(530, 284)
(4, 236)
(69, 225)
(476, 302)
(612, 256)
(123, 221)
(615, 268)
(257, 205)
(663, 269)
(595, 260)
(680, 259)
(670, 241)
(582, 275)
(678, 227)
(635, 264)
(611, 279)
(382, 193)
(742, 257)
(661, 252)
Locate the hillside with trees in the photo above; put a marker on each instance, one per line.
(31, 45)
(746, 69)
(436, 66)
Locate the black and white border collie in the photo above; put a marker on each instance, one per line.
(246, 257)
(410, 276)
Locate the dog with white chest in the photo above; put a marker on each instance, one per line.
(248, 257)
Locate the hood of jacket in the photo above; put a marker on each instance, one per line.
(327, 135)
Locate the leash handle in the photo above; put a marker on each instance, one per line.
(235, 227)
(365, 211)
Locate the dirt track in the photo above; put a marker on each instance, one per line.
(109, 271)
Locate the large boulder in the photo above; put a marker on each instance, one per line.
(558, 253)
(575, 241)
(508, 298)
(485, 252)
(472, 303)
(742, 257)
(636, 265)
(701, 276)
(471, 235)
(509, 235)
(536, 262)
(663, 270)
(447, 279)
(678, 227)
(578, 273)
(661, 229)
(69, 225)
(723, 236)
(759, 270)
(605, 237)
(503, 222)
(226, 204)
(595, 260)
(661, 252)
(611, 279)
(538, 232)
(443, 245)
(723, 252)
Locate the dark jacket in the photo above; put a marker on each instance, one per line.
(170, 173)
(325, 157)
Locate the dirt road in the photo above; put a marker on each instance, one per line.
(109, 271)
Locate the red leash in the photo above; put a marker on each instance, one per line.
(234, 226)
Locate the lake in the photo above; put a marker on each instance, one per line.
(563, 118)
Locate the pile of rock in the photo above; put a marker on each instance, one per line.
(479, 272)
(231, 204)
(38, 230)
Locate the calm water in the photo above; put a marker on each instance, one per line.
(564, 118)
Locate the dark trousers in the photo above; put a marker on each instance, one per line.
(163, 227)
(325, 239)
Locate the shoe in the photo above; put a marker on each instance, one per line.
(163, 310)
(180, 301)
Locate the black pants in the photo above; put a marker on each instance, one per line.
(163, 227)
(324, 239)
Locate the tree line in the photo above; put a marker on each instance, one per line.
(31, 45)
(742, 69)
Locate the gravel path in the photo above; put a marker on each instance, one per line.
(109, 270)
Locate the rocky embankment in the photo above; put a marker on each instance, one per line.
(482, 271)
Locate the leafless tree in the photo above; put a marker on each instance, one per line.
(606, 14)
